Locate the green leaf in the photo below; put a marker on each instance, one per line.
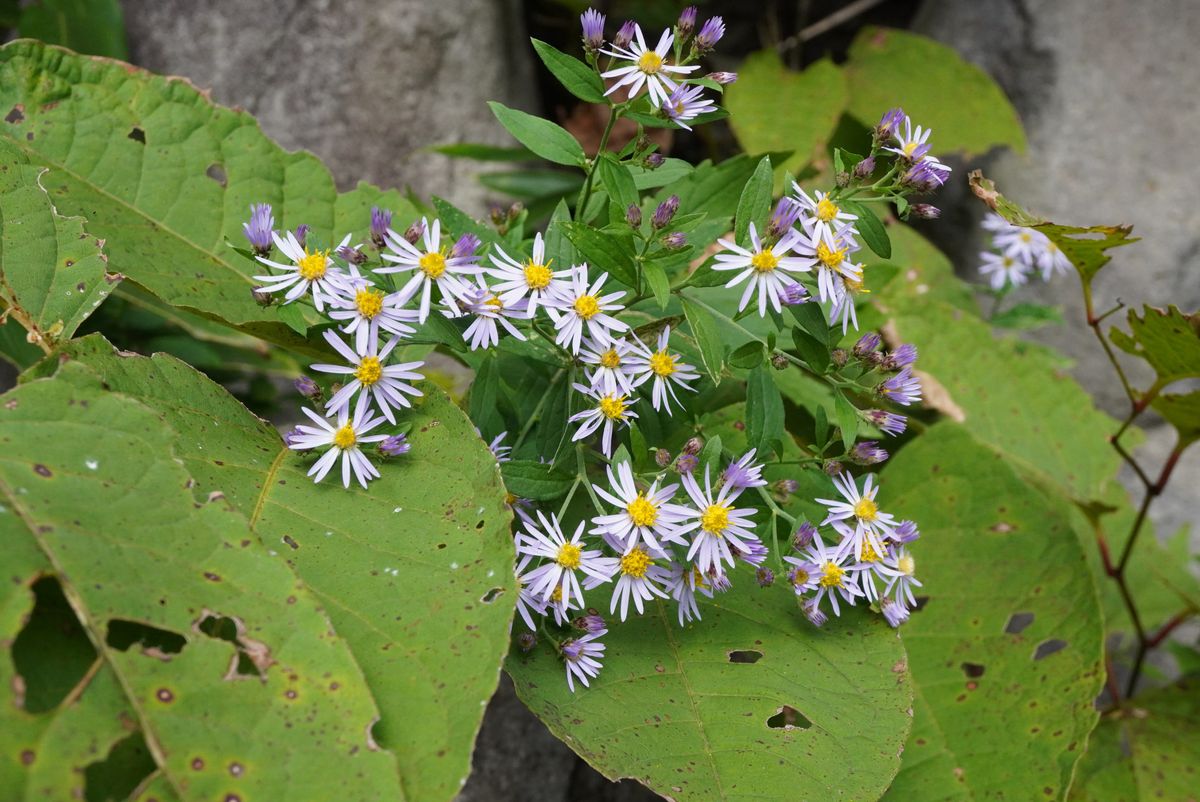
(1181, 410)
(748, 356)
(485, 387)
(764, 412)
(847, 419)
(1147, 751)
(485, 153)
(109, 511)
(660, 285)
(617, 181)
(434, 526)
(576, 77)
(669, 171)
(708, 461)
(535, 480)
(1168, 340)
(712, 189)
(604, 251)
(815, 353)
(1028, 316)
(773, 108)
(51, 271)
(1006, 652)
(755, 202)
(708, 338)
(673, 710)
(531, 185)
(965, 108)
(871, 229)
(558, 247)
(925, 275)
(551, 142)
(94, 27)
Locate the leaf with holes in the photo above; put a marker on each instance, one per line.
(109, 511)
(1010, 639)
(750, 702)
(416, 575)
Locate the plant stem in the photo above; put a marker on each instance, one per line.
(586, 192)
(537, 411)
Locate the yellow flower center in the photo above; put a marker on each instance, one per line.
(827, 210)
(650, 62)
(828, 256)
(907, 564)
(433, 264)
(799, 577)
(865, 510)
(764, 261)
(715, 519)
(869, 555)
(642, 511)
(312, 265)
(698, 578)
(1026, 236)
(568, 555)
(613, 406)
(854, 285)
(556, 595)
(510, 499)
(831, 575)
(662, 363)
(537, 277)
(369, 303)
(344, 437)
(587, 307)
(636, 562)
(610, 359)
(494, 302)
(910, 148)
(369, 370)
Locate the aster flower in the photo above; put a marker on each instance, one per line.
(490, 312)
(526, 599)
(843, 306)
(754, 554)
(803, 575)
(887, 422)
(499, 451)
(710, 33)
(743, 473)
(890, 123)
(366, 311)
(903, 388)
(578, 307)
(859, 509)
(582, 657)
(872, 564)
(310, 271)
(610, 411)
(624, 34)
(645, 516)
(906, 532)
(794, 294)
(664, 212)
(786, 213)
(387, 385)
(683, 582)
(259, 228)
(764, 266)
(902, 357)
(344, 440)
(894, 612)
(430, 266)
(820, 208)
(608, 364)
(533, 277)
(867, 452)
(663, 369)
(718, 525)
(592, 24)
(381, 221)
(638, 577)
(903, 580)
(1051, 260)
(833, 577)
(830, 249)
(1002, 269)
(564, 558)
(911, 145)
(686, 103)
(649, 67)
(926, 175)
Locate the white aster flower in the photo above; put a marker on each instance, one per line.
(1022, 244)
(638, 577)
(490, 312)
(366, 311)
(310, 271)
(526, 599)
(719, 525)
(582, 657)
(608, 365)
(610, 410)
(577, 307)
(911, 145)
(873, 564)
(834, 577)
(532, 278)
(686, 103)
(830, 250)
(870, 524)
(433, 265)
(1003, 269)
(1051, 260)
(903, 580)
(645, 516)
(649, 67)
(664, 369)
(803, 575)
(563, 559)
(683, 583)
(820, 208)
(388, 385)
(843, 303)
(764, 266)
(343, 440)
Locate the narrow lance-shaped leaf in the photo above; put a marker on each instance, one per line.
(708, 338)
(576, 77)
(764, 412)
(603, 251)
(871, 229)
(551, 142)
(755, 203)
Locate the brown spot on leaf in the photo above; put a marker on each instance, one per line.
(16, 114)
(42, 470)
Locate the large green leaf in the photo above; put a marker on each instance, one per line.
(95, 27)
(165, 177)
(416, 573)
(1006, 652)
(925, 275)
(90, 478)
(1167, 339)
(51, 271)
(965, 108)
(694, 712)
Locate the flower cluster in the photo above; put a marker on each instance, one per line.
(1017, 253)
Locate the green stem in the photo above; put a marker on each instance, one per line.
(537, 411)
(581, 467)
(586, 193)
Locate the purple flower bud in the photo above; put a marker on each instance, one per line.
(832, 467)
(258, 229)
(302, 234)
(352, 255)
(924, 211)
(414, 232)
(395, 445)
(693, 445)
(675, 241)
(802, 538)
(292, 437)
(786, 487)
(866, 344)
(794, 294)
(624, 34)
(633, 215)
(840, 356)
(686, 463)
(710, 33)
(653, 161)
(381, 221)
(887, 422)
(526, 641)
(906, 532)
(786, 213)
(924, 176)
(262, 297)
(867, 452)
(894, 611)
(765, 577)
(662, 457)
(665, 211)
(723, 78)
(308, 388)
(515, 210)
(814, 615)
(592, 22)
(754, 552)
(466, 246)
(890, 123)
(498, 214)
(902, 357)
(864, 168)
(589, 623)
(686, 24)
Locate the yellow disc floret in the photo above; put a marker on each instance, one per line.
(764, 261)
(344, 437)
(650, 62)
(369, 303)
(537, 276)
(369, 370)
(433, 264)
(610, 359)
(831, 575)
(613, 406)
(826, 210)
(642, 511)
(587, 306)
(662, 363)
(865, 509)
(715, 519)
(568, 555)
(869, 555)
(799, 577)
(312, 265)
(636, 562)
(906, 564)
(828, 256)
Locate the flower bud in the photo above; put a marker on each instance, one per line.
(867, 452)
(894, 611)
(765, 577)
(653, 161)
(633, 215)
(515, 210)
(814, 615)
(664, 212)
(352, 255)
(262, 297)
(395, 445)
(906, 532)
(802, 538)
(675, 241)
(686, 24)
(466, 246)
(779, 361)
(924, 211)
(591, 622)
(259, 228)
(888, 422)
(785, 487)
(292, 437)
(308, 388)
(842, 178)
(787, 211)
(662, 457)
(794, 294)
(693, 446)
(624, 34)
(889, 124)
(686, 463)
(866, 344)
(414, 232)
(832, 467)
(864, 169)
(302, 234)
(840, 357)
(902, 357)
(497, 214)
(381, 221)
(723, 78)
(526, 641)
(592, 22)
(710, 33)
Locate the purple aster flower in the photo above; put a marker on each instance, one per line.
(292, 436)
(675, 241)
(926, 175)
(755, 553)
(903, 388)
(259, 228)
(786, 213)
(794, 294)
(381, 221)
(633, 215)
(924, 211)
(589, 623)
(710, 33)
(395, 445)
(906, 532)
(592, 22)
(653, 161)
(686, 103)
(352, 255)
(664, 212)
(720, 583)
(686, 24)
(624, 35)
(867, 344)
(582, 657)
(526, 641)
(864, 168)
(743, 473)
(802, 538)
(308, 388)
(867, 452)
(723, 78)
(415, 231)
(890, 123)
(894, 611)
(902, 357)
(887, 422)
(686, 463)
(765, 577)
(466, 246)
(814, 615)
(302, 234)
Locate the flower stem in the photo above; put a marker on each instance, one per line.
(586, 193)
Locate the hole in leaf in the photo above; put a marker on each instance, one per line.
(155, 642)
(137, 135)
(1017, 623)
(15, 115)
(251, 657)
(746, 656)
(51, 653)
(973, 670)
(491, 595)
(116, 776)
(1049, 647)
(788, 718)
(217, 173)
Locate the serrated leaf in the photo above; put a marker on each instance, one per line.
(1168, 340)
(535, 480)
(551, 142)
(673, 711)
(870, 228)
(755, 202)
(764, 412)
(603, 251)
(1181, 410)
(708, 338)
(576, 77)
